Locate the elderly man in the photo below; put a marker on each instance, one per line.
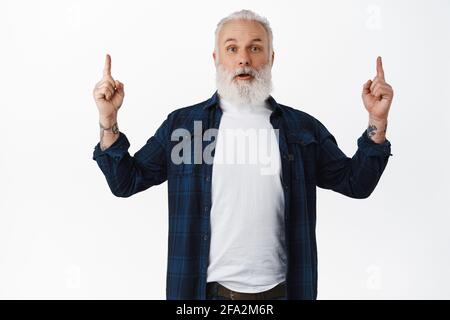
(242, 229)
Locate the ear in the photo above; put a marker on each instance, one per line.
(273, 56)
(214, 56)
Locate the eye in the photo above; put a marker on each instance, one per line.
(256, 49)
(231, 49)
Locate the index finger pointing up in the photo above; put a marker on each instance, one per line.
(380, 71)
(107, 68)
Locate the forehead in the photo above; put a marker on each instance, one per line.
(242, 30)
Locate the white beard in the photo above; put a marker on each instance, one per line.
(244, 92)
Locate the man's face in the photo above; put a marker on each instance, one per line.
(242, 43)
(243, 62)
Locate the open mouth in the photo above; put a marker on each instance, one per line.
(244, 76)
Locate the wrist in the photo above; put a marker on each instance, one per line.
(377, 119)
(376, 129)
(108, 121)
(109, 128)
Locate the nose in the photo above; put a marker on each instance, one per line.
(244, 59)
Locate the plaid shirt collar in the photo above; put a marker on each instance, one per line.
(215, 98)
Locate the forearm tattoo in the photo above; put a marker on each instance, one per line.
(372, 130)
(114, 129)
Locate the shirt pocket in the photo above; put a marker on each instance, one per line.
(302, 148)
(187, 165)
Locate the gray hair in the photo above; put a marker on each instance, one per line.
(245, 15)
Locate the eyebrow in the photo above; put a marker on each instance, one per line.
(254, 40)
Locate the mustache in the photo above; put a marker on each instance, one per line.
(245, 70)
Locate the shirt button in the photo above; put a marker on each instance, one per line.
(206, 208)
(208, 178)
(205, 237)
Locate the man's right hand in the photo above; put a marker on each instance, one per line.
(108, 93)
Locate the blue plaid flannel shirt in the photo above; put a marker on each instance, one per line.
(310, 158)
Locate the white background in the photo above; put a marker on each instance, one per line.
(64, 235)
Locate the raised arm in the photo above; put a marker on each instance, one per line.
(125, 174)
(358, 176)
(108, 95)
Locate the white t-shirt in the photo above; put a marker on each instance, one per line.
(247, 252)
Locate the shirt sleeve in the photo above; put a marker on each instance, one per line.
(126, 174)
(357, 176)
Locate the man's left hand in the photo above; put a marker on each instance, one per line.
(377, 96)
